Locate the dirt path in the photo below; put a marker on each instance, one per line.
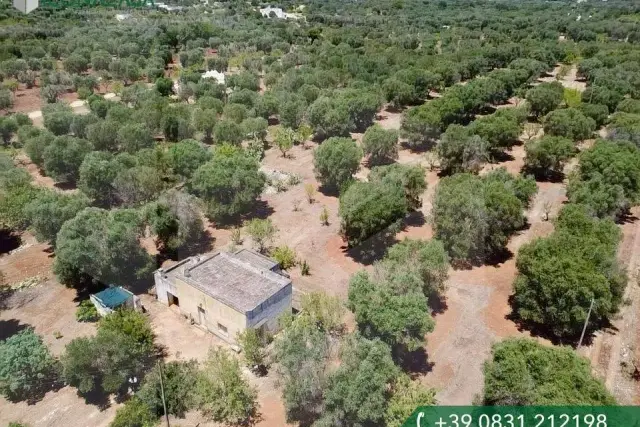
(613, 346)
(570, 80)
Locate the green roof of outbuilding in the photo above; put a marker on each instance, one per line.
(113, 297)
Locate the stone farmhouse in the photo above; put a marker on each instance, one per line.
(227, 292)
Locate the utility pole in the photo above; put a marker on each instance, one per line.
(164, 402)
(586, 322)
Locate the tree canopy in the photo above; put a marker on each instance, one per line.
(523, 372)
(560, 274)
(228, 184)
(101, 246)
(335, 161)
(474, 217)
(27, 368)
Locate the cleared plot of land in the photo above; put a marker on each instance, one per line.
(50, 309)
(476, 309)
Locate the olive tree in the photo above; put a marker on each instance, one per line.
(545, 157)
(380, 145)
(49, 210)
(336, 160)
(228, 184)
(367, 208)
(63, 157)
(558, 276)
(569, 123)
(459, 150)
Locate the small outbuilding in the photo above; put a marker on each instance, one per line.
(113, 298)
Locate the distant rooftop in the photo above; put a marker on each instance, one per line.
(243, 280)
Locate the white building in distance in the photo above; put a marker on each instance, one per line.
(25, 6)
(278, 12)
(213, 74)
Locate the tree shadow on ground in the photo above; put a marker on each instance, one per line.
(493, 259)
(415, 363)
(142, 285)
(392, 109)
(329, 191)
(203, 243)
(8, 241)
(5, 294)
(9, 328)
(379, 162)
(626, 218)
(83, 293)
(419, 147)
(546, 332)
(273, 121)
(37, 394)
(487, 109)
(500, 156)
(375, 247)
(414, 219)
(555, 177)
(260, 209)
(496, 258)
(97, 397)
(65, 186)
(437, 303)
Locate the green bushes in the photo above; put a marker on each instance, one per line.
(545, 98)
(545, 157)
(87, 312)
(524, 372)
(474, 217)
(26, 366)
(335, 161)
(608, 178)
(569, 123)
(559, 275)
(284, 256)
(380, 145)
(367, 208)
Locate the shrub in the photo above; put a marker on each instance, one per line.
(134, 413)
(222, 394)
(524, 372)
(26, 366)
(285, 256)
(87, 312)
(262, 231)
